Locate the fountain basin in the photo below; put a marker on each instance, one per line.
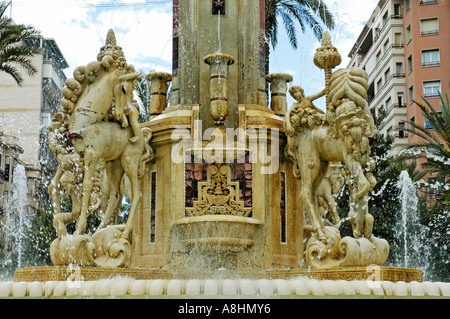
(218, 233)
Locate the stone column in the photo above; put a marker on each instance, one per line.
(278, 88)
(158, 88)
(219, 85)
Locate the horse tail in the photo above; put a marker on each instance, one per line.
(148, 154)
(291, 146)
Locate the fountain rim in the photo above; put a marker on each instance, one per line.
(219, 218)
(161, 75)
(275, 76)
(207, 59)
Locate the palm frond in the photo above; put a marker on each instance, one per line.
(307, 13)
(435, 144)
(13, 71)
(17, 48)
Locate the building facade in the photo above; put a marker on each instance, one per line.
(25, 112)
(401, 48)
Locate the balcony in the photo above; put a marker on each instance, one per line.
(397, 20)
(429, 33)
(397, 109)
(401, 141)
(431, 96)
(430, 63)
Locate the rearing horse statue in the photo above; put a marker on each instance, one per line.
(88, 132)
(343, 137)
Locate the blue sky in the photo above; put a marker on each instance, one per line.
(144, 30)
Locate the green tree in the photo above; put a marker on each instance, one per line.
(434, 149)
(143, 95)
(435, 144)
(17, 47)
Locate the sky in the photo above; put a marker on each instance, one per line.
(144, 31)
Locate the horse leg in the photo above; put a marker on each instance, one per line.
(114, 173)
(131, 167)
(90, 165)
(308, 172)
(54, 191)
(320, 173)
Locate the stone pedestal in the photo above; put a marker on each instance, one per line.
(158, 87)
(278, 88)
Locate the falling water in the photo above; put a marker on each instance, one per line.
(412, 234)
(17, 221)
(219, 38)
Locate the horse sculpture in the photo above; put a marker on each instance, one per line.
(342, 135)
(88, 137)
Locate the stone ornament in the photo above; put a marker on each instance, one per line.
(219, 88)
(219, 195)
(315, 141)
(97, 140)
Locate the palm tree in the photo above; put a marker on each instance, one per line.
(435, 144)
(17, 47)
(307, 13)
(302, 11)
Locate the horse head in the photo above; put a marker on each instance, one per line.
(123, 93)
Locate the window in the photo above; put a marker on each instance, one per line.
(408, 34)
(431, 57)
(429, 26)
(386, 46)
(283, 218)
(401, 130)
(399, 69)
(378, 57)
(379, 84)
(410, 64)
(175, 53)
(397, 10)
(407, 5)
(44, 120)
(424, 2)
(389, 132)
(398, 40)
(385, 18)
(388, 104)
(411, 94)
(7, 171)
(431, 88)
(400, 99)
(387, 74)
(153, 209)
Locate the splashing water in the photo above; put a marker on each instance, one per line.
(17, 220)
(412, 234)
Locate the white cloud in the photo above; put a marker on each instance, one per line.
(80, 30)
(145, 33)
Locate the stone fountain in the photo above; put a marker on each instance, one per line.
(225, 196)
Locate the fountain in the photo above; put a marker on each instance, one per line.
(413, 234)
(17, 221)
(217, 203)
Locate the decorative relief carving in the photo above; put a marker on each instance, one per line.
(218, 195)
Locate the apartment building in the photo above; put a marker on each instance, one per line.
(401, 48)
(25, 112)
